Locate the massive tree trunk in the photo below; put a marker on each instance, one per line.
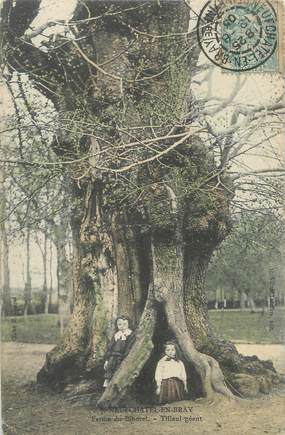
(166, 289)
(110, 250)
(146, 218)
(195, 298)
(98, 268)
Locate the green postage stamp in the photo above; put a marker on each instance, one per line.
(241, 35)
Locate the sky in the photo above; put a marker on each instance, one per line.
(258, 88)
(53, 10)
(18, 266)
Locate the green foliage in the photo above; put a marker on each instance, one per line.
(232, 325)
(40, 328)
(245, 260)
(249, 327)
(36, 189)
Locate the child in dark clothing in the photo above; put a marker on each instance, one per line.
(119, 348)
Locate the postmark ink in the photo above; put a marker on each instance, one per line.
(238, 35)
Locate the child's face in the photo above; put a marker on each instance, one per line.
(122, 324)
(170, 351)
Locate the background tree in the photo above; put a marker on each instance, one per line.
(242, 263)
(4, 257)
(44, 252)
(36, 196)
(6, 302)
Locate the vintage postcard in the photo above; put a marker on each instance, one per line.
(142, 217)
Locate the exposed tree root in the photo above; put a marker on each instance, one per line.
(66, 362)
(61, 367)
(246, 375)
(208, 368)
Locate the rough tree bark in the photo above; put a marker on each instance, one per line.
(169, 272)
(64, 273)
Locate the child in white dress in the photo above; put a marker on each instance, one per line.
(170, 376)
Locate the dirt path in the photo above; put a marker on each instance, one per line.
(28, 410)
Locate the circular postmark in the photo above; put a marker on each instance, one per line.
(237, 35)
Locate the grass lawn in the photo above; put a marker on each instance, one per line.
(249, 327)
(233, 325)
(38, 328)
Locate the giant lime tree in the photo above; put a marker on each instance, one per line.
(151, 201)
